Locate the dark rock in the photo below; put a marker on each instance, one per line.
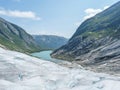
(96, 43)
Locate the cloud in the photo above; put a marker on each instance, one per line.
(90, 12)
(45, 32)
(106, 7)
(19, 14)
(78, 23)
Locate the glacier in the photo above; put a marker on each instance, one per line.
(23, 72)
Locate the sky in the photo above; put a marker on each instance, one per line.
(51, 17)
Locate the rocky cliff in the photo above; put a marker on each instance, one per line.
(96, 43)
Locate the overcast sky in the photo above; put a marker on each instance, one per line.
(52, 17)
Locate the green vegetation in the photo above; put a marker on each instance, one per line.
(15, 38)
(104, 23)
(98, 31)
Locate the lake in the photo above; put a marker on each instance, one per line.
(45, 55)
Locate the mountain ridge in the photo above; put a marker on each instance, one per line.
(14, 37)
(96, 43)
(50, 41)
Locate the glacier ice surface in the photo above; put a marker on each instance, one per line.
(22, 72)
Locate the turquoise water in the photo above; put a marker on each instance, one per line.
(45, 55)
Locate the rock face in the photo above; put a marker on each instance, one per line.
(96, 43)
(50, 41)
(15, 38)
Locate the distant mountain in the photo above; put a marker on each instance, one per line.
(15, 38)
(96, 43)
(50, 41)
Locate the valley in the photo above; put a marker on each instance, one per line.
(46, 57)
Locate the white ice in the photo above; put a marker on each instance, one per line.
(22, 72)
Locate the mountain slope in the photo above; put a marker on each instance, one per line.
(15, 38)
(96, 43)
(50, 41)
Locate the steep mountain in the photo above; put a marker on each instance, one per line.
(96, 43)
(15, 38)
(50, 41)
